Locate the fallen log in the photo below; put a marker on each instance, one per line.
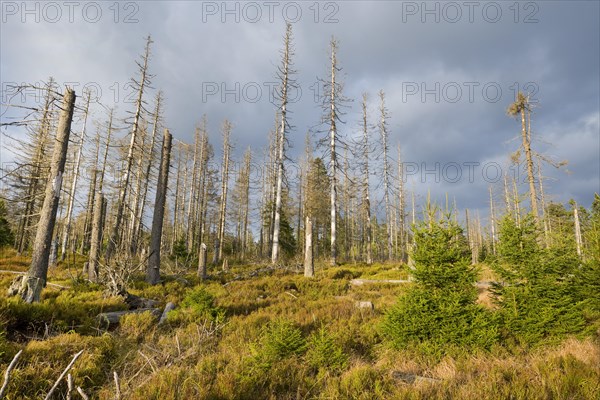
(407, 377)
(168, 308)
(113, 318)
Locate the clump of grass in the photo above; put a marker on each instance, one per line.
(58, 312)
(137, 326)
(43, 360)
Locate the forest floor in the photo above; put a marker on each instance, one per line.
(259, 333)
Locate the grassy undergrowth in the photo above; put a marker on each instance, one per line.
(276, 335)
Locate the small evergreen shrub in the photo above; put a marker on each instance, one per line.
(324, 352)
(538, 297)
(197, 305)
(279, 339)
(439, 313)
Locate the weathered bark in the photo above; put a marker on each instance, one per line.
(96, 240)
(35, 279)
(517, 202)
(309, 266)
(136, 192)
(492, 222)
(507, 202)
(386, 179)
(224, 187)
(366, 147)
(153, 270)
(281, 138)
(176, 202)
(526, 136)
(402, 208)
(89, 212)
(73, 189)
(202, 259)
(201, 191)
(522, 107)
(113, 318)
(333, 98)
(192, 206)
(471, 237)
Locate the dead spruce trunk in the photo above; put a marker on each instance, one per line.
(35, 280)
(309, 266)
(153, 271)
(96, 240)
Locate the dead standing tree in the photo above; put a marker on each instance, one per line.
(522, 107)
(383, 131)
(332, 101)
(73, 188)
(365, 150)
(153, 271)
(286, 84)
(141, 85)
(32, 283)
(224, 187)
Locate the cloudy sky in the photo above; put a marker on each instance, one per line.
(449, 70)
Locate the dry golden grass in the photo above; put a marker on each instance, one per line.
(200, 359)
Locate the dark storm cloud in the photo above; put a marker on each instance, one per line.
(448, 77)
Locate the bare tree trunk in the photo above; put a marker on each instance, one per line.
(190, 233)
(521, 106)
(204, 200)
(401, 207)
(114, 237)
(471, 237)
(366, 192)
(224, 185)
(176, 202)
(543, 204)
(507, 202)
(492, 222)
(334, 98)
(578, 241)
(96, 241)
(346, 205)
(73, 189)
(281, 138)
(137, 232)
(153, 271)
(202, 258)
(35, 280)
(246, 201)
(34, 189)
(309, 266)
(526, 134)
(386, 178)
(89, 212)
(517, 202)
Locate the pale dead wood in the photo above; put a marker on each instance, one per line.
(11, 366)
(82, 393)
(148, 360)
(69, 386)
(117, 386)
(60, 378)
